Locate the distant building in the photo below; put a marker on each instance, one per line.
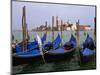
(74, 27)
(85, 27)
(69, 27)
(61, 24)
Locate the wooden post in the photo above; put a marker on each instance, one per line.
(61, 32)
(24, 32)
(12, 37)
(28, 35)
(23, 29)
(27, 38)
(57, 22)
(52, 28)
(78, 39)
(41, 31)
(78, 43)
(46, 27)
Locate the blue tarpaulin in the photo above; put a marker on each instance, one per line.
(73, 40)
(43, 39)
(30, 45)
(59, 50)
(87, 52)
(56, 42)
(89, 43)
(30, 53)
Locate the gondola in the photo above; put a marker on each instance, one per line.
(31, 56)
(64, 52)
(87, 53)
(30, 45)
(53, 45)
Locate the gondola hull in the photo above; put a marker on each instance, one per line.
(27, 57)
(55, 57)
(49, 57)
(87, 53)
(64, 52)
(19, 60)
(85, 59)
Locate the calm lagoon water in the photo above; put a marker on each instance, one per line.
(66, 35)
(59, 66)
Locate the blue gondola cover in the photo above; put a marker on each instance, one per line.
(43, 39)
(87, 52)
(30, 45)
(56, 42)
(73, 40)
(89, 43)
(30, 53)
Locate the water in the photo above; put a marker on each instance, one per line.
(66, 35)
(70, 65)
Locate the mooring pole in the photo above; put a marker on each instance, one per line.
(52, 28)
(26, 37)
(78, 43)
(46, 27)
(57, 23)
(61, 32)
(24, 30)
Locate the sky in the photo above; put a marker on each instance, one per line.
(38, 13)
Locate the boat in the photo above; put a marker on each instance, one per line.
(26, 52)
(27, 57)
(63, 53)
(31, 56)
(30, 45)
(87, 53)
(53, 45)
(25, 45)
